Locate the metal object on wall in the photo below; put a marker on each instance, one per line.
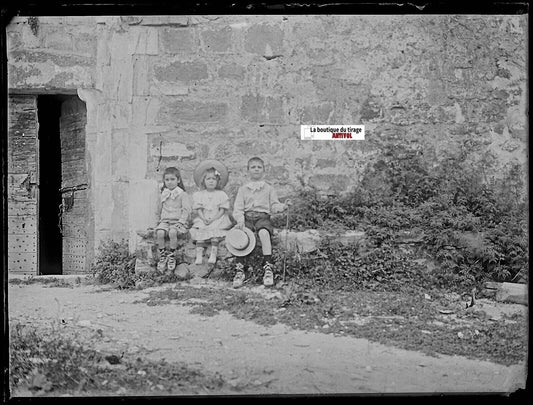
(67, 201)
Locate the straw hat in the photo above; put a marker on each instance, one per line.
(240, 242)
(208, 164)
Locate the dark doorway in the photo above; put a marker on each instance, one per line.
(50, 245)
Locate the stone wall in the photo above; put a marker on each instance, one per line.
(175, 90)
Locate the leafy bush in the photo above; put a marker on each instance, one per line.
(338, 267)
(115, 264)
(444, 201)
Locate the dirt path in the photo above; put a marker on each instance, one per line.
(270, 360)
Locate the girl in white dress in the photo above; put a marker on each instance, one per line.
(210, 216)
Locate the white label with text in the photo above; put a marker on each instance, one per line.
(332, 132)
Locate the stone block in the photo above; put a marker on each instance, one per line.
(217, 40)
(182, 271)
(260, 38)
(130, 20)
(85, 44)
(338, 182)
(199, 270)
(144, 197)
(231, 71)
(302, 242)
(119, 208)
(144, 41)
(324, 163)
(63, 80)
(192, 111)
(181, 71)
(508, 292)
(59, 41)
(317, 114)
(261, 109)
(120, 154)
(138, 155)
(169, 20)
(142, 266)
(158, 88)
(244, 148)
(57, 61)
(145, 111)
(141, 84)
(103, 206)
(309, 240)
(347, 238)
(178, 40)
(172, 149)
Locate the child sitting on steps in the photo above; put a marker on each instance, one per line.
(210, 209)
(254, 203)
(173, 212)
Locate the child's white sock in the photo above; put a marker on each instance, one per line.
(199, 255)
(213, 257)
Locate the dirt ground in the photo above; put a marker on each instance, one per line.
(264, 360)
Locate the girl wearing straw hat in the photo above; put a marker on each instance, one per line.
(210, 209)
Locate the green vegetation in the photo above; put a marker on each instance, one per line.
(115, 265)
(473, 228)
(409, 321)
(50, 361)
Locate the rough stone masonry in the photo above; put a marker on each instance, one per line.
(174, 90)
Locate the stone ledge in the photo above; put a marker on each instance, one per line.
(148, 255)
(309, 240)
(301, 242)
(508, 292)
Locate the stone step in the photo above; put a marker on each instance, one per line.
(302, 241)
(309, 240)
(508, 292)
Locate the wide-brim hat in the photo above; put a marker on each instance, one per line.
(240, 242)
(208, 164)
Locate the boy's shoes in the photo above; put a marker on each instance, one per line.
(268, 278)
(238, 280)
(171, 263)
(162, 263)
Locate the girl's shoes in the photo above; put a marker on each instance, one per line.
(162, 263)
(167, 260)
(213, 256)
(199, 255)
(171, 263)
